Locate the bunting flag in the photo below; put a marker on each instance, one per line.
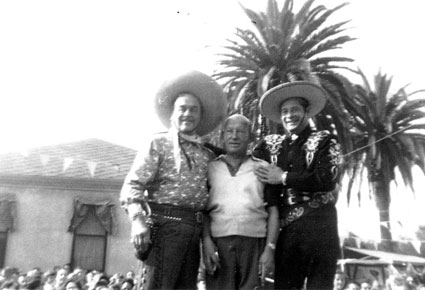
(44, 159)
(358, 242)
(92, 167)
(417, 245)
(67, 161)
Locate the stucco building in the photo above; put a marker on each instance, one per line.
(59, 204)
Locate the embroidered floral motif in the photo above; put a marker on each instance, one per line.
(319, 199)
(273, 145)
(335, 152)
(293, 215)
(312, 144)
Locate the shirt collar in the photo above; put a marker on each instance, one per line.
(304, 134)
(222, 158)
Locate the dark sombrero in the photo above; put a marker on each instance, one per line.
(272, 100)
(208, 91)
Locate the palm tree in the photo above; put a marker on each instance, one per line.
(393, 139)
(287, 46)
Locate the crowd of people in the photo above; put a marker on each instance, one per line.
(394, 281)
(62, 278)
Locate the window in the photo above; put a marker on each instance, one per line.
(3, 242)
(7, 222)
(90, 241)
(91, 224)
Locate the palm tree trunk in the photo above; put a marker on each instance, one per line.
(381, 192)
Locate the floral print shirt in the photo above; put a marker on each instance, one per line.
(157, 176)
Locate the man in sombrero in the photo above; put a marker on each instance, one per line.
(165, 192)
(304, 170)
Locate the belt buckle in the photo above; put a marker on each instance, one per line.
(199, 217)
(291, 200)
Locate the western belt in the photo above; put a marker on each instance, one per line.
(176, 213)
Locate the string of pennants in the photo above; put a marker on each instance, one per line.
(68, 161)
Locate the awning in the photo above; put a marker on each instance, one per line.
(390, 257)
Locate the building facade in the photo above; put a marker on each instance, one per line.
(60, 205)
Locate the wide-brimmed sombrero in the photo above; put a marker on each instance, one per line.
(202, 86)
(271, 101)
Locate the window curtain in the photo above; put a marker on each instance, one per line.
(104, 211)
(7, 213)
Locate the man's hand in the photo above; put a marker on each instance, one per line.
(140, 234)
(211, 259)
(266, 264)
(269, 174)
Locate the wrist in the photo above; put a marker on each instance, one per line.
(271, 246)
(137, 215)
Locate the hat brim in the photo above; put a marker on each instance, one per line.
(271, 102)
(209, 93)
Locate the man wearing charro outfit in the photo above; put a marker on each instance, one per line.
(167, 182)
(304, 169)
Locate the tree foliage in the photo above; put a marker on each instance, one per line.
(287, 46)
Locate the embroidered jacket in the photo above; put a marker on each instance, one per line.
(312, 162)
(156, 172)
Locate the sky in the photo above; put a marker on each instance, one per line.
(72, 70)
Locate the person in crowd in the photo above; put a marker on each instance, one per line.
(239, 241)
(352, 285)
(340, 280)
(304, 171)
(365, 285)
(172, 171)
(33, 280)
(10, 284)
(49, 280)
(60, 279)
(411, 282)
(130, 275)
(90, 282)
(21, 280)
(128, 284)
(117, 278)
(73, 285)
(79, 275)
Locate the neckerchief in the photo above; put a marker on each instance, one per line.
(178, 138)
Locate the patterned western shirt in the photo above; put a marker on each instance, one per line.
(156, 174)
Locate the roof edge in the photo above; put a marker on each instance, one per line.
(61, 182)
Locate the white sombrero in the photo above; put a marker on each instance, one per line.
(271, 101)
(202, 86)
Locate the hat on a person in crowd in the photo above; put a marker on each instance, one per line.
(33, 280)
(271, 101)
(209, 93)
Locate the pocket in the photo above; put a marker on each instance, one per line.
(169, 230)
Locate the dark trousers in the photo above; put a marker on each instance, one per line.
(308, 250)
(239, 258)
(174, 258)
